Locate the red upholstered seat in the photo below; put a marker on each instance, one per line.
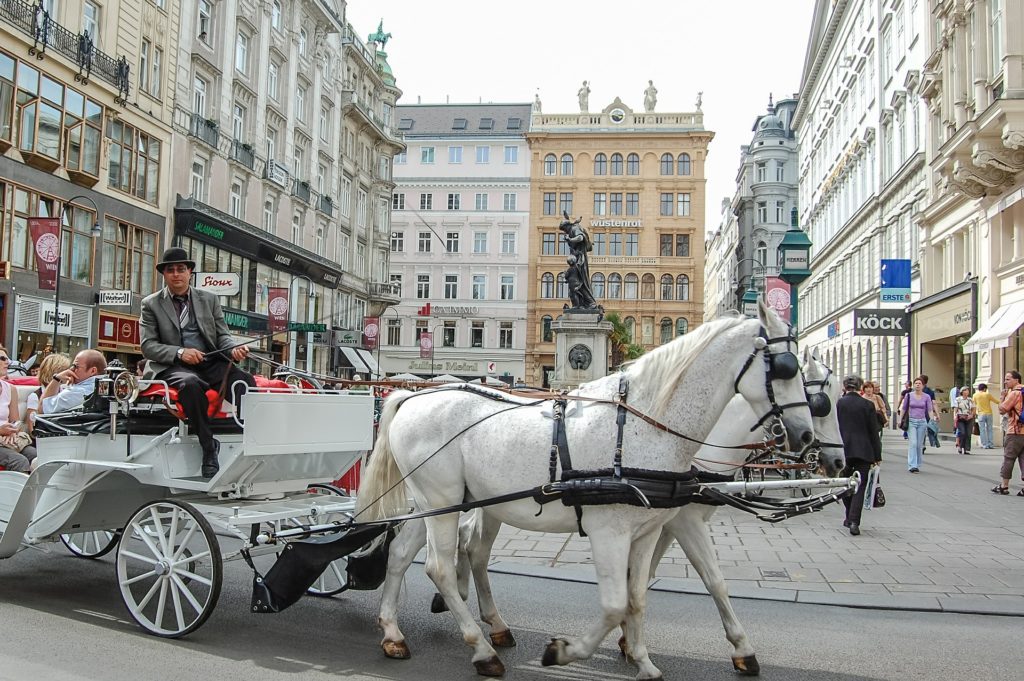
(158, 391)
(264, 382)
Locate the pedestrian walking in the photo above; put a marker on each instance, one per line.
(1013, 436)
(983, 403)
(916, 411)
(964, 413)
(908, 387)
(871, 395)
(862, 444)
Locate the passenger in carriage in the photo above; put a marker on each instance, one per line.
(52, 364)
(70, 388)
(188, 345)
(16, 454)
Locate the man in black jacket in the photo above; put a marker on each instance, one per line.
(861, 442)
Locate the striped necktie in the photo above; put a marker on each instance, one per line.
(182, 305)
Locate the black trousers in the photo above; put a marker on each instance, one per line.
(855, 504)
(192, 382)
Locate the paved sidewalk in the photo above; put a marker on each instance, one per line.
(943, 542)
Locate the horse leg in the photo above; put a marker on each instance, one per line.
(479, 539)
(403, 550)
(443, 540)
(463, 569)
(641, 554)
(691, 529)
(665, 540)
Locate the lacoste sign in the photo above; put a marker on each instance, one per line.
(871, 322)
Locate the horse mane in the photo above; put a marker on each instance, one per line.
(668, 364)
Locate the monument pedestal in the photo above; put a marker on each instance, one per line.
(581, 348)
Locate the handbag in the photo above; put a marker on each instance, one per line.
(878, 501)
(905, 415)
(17, 441)
(873, 495)
(976, 430)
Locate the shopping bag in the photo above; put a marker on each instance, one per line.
(870, 485)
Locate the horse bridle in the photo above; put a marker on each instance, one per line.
(820, 404)
(781, 366)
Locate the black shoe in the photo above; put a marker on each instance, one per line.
(914, 470)
(854, 529)
(210, 462)
(846, 523)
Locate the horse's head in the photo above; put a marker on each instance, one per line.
(770, 378)
(823, 392)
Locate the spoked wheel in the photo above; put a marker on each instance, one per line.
(169, 568)
(91, 544)
(334, 579)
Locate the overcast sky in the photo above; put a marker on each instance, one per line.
(735, 51)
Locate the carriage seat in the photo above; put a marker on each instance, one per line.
(156, 393)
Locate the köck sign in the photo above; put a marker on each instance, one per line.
(870, 322)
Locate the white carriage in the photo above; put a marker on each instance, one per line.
(128, 481)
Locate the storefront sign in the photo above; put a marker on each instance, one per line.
(616, 223)
(116, 298)
(46, 244)
(219, 283)
(63, 318)
(243, 321)
(833, 329)
(278, 308)
(895, 281)
(777, 295)
(446, 366)
(117, 330)
(426, 345)
(346, 337)
(306, 327)
(453, 310)
(872, 322)
(371, 332)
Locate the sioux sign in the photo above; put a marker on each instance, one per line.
(220, 283)
(871, 322)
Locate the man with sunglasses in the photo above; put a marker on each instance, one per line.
(188, 345)
(78, 382)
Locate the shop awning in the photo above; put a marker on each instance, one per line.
(368, 359)
(996, 331)
(354, 360)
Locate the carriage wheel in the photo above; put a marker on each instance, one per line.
(91, 544)
(169, 568)
(334, 579)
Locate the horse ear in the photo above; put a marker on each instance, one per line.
(765, 313)
(808, 355)
(815, 355)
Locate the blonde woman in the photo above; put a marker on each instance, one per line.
(52, 365)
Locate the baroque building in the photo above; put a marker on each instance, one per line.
(972, 222)
(86, 92)
(862, 177)
(459, 243)
(637, 179)
(284, 140)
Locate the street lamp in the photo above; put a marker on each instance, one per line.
(433, 344)
(95, 232)
(796, 262)
(748, 302)
(294, 338)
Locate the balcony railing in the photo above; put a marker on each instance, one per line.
(301, 190)
(205, 129)
(244, 154)
(326, 205)
(79, 48)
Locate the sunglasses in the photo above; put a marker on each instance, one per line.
(73, 366)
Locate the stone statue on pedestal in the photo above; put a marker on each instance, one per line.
(584, 96)
(650, 97)
(577, 275)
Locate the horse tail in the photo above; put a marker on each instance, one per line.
(382, 489)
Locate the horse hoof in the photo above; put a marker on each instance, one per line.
(396, 650)
(438, 605)
(492, 666)
(553, 652)
(747, 666)
(503, 639)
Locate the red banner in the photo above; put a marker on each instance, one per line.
(776, 294)
(46, 243)
(426, 345)
(371, 332)
(277, 309)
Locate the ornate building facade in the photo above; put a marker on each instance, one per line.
(637, 179)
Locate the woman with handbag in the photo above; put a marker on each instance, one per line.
(16, 451)
(964, 413)
(871, 395)
(916, 411)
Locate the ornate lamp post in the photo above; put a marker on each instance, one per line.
(748, 301)
(796, 262)
(95, 232)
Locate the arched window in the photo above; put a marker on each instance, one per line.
(616, 164)
(666, 330)
(614, 285)
(600, 164)
(547, 285)
(683, 164)
(667, 163)
(647, 287)
(632, 284)
(666, 287)
(633, 164)
(545, 329)
(630, 328)
(761, 253)
(682, 287)
(561, 288)
(597, 284)
(682, 326)
(567, 164)
(549, 164)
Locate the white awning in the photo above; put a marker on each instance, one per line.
(354, 360)
(996, 331)
(369, 361)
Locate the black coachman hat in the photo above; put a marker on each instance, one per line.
(173, 256)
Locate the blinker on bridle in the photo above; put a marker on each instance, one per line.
(778, 366)
(819, 402)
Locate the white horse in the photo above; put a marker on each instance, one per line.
(450, 445)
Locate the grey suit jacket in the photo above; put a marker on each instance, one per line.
(161, 335)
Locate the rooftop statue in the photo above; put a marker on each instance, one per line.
(584, 95)
(650, 97)
(380, 36)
